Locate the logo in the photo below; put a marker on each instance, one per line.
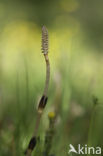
(84, 149)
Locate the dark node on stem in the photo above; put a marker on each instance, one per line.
(32, 144)
(42, 102)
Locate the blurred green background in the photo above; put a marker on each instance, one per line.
(75, 50)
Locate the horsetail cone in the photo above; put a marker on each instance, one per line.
(45, 52)
(44, 40)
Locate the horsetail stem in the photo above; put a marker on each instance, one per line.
(44, 98)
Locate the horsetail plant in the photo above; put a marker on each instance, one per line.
(44, 97)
